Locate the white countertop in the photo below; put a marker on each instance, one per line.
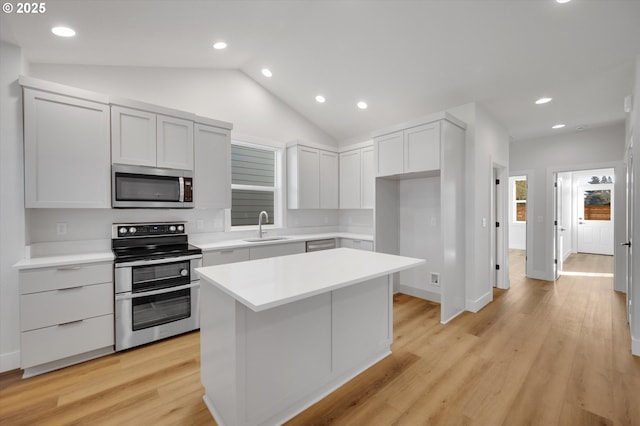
(107, 256)
(228, 244)
(62, 260)
(267, 283)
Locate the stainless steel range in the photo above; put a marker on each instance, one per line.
(156, 287)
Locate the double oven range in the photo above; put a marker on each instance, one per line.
(156, 287)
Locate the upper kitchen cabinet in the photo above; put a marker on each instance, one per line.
(410, 150)
(66, 146)
(148, 135)
(312, 178)
(212, 163)
(357, 180)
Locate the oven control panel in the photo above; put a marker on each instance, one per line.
(125, 230)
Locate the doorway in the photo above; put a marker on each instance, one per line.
(517, 217)
(584, 219)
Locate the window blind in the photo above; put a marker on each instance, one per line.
(252, 166)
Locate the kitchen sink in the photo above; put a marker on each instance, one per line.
(257, 240)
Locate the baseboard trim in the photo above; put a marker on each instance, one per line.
(416, 292)
(9, 361)
(635, 346)
(475, 305)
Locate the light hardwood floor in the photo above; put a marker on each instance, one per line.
(547, 353)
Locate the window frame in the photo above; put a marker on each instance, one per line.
(277, 189)
(516, 179)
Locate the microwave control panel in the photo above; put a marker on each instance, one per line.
(188, 190)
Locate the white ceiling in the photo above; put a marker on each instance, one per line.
(405, 58)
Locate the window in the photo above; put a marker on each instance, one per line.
(254, 184)
(520, 199)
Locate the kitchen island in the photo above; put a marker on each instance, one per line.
(279, 334)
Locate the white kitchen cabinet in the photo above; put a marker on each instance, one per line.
(368, 181)
(312, 178)
(357, 180)
(274, 250)
(329, 180)
(350, 179)
(147, 138)
(133, 136)
(356, 244)
(221, 257)
(212, 172)
(66, 315)
(174, 145)
(390, 154)
(415, 149)
(66, 151)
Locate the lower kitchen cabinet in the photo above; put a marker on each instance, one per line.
(66, 315)
(356, 244)
(220, 257)
(273, 250)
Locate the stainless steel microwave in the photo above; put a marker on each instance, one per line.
(151, 187)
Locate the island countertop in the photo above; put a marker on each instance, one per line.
(266, 283)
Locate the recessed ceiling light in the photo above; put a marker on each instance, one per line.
(267, 72)
(558, 126)
(562, 1)
(63, 31)
(362, 105)
(543, 101)
(320, 99)
(219, 45)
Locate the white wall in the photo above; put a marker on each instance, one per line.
(595, 148)
(487, 146)
(12, 230)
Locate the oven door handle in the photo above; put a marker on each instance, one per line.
(157, 261)
(129, 296)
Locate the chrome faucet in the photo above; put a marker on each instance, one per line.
(260, 222)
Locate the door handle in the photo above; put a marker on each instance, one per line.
(628, 244)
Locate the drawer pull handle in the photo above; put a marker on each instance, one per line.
(71, 288)
(69, 268)
(70, 323)
(226, 251)
(357, 241)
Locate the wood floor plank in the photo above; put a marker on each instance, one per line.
(543, 353)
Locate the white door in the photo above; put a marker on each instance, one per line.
(174, 143)
(595, 219)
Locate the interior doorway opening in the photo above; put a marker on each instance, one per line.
(584, 222)
(518, 189)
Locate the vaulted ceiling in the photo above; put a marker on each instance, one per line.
(406, 59)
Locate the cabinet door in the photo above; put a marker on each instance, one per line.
(389, 154)
(133, 137)
(221, 257)
(422, 148)
(274, 250)
(66, 149)
(328, 180)
(174, 143)
(368, 180)
(212, 183)
(350, 180)
(308, 178)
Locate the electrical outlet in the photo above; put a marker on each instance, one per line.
(435, 279)
(61, 228)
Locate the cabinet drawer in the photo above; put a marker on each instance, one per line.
(220, 257)
(263, 252)
(38, 310)
(62, 341)
(46, 279)
(356, 244)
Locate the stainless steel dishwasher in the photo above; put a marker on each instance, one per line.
(318, 245)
